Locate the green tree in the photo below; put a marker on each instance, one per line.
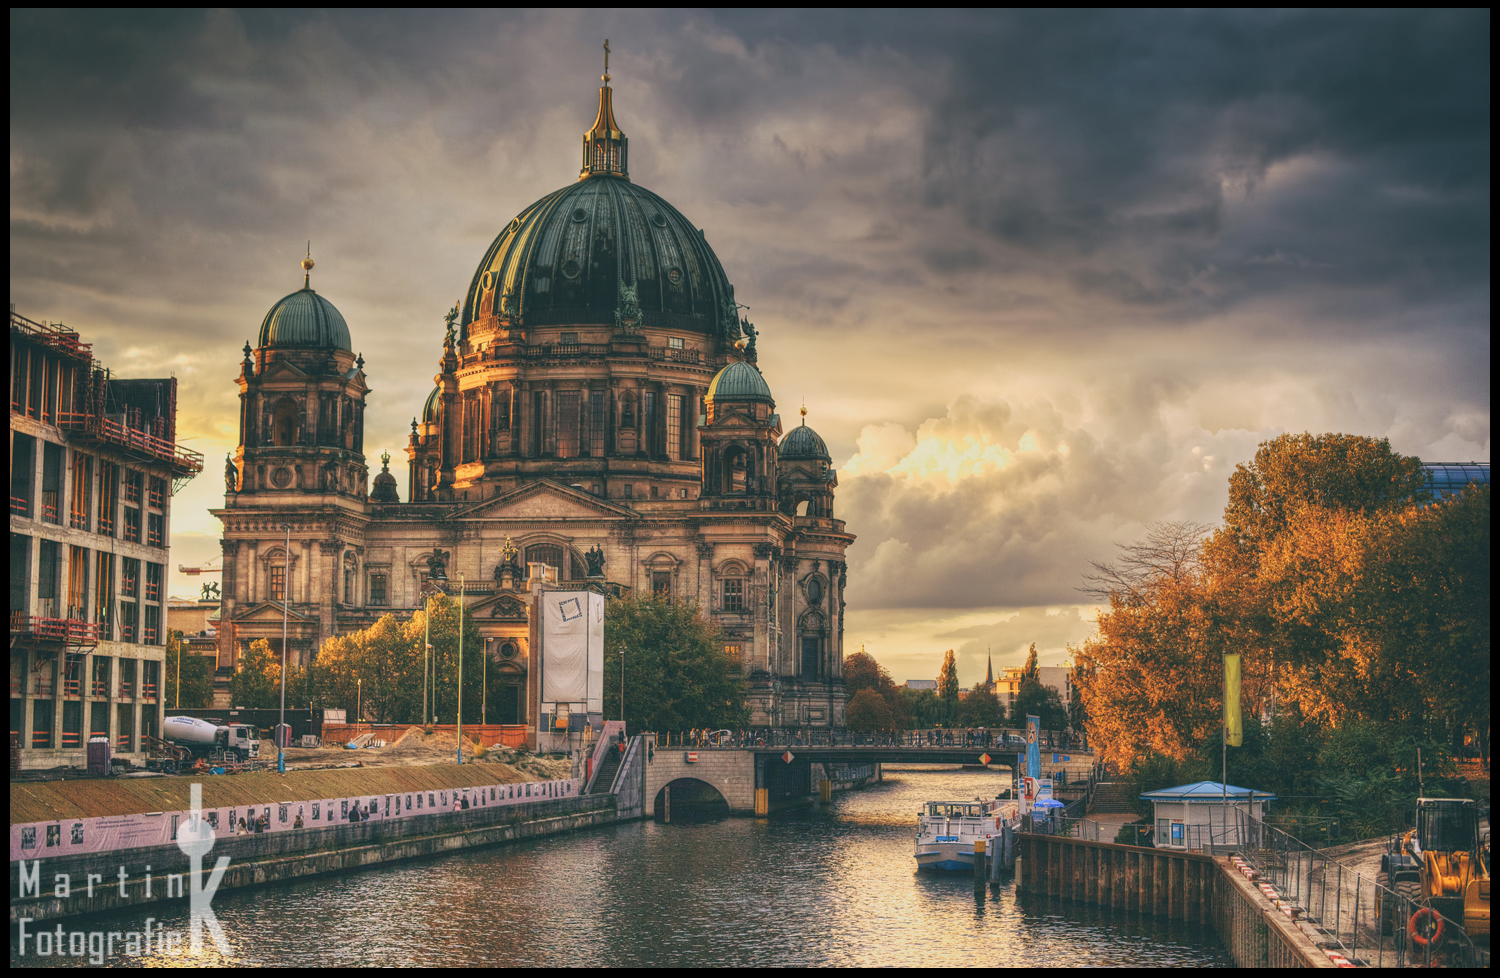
(676, 673)
(981, 708)
(867, 712)
(923, 708)
(948, 688)
(1043, 702)
(257, 681)
(196, 672)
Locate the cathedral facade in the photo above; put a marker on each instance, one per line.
(597, 410)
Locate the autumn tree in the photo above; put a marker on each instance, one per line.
(948, 688)
(1333, 471)
(867, 712)
(861, 671)
(257, 680)
(380, 669)
(194, 672)
(676, 673)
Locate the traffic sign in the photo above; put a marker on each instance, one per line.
(984, 758)
(787, 757)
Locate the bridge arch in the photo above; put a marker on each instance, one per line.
(690, 800)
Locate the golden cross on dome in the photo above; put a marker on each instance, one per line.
(606, 59)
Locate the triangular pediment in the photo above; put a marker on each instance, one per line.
(506, 605)
(282, 370)
(544, 499)
(269, 611)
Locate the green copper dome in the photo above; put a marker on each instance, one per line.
(803, 442)
(739, 382)
(304, 319)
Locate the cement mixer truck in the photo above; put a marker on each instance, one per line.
(210, 740)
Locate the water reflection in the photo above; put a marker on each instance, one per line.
(832, 886)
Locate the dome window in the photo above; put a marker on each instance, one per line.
(571, 268)
(580, 215)
(659, 219)
(674, 275)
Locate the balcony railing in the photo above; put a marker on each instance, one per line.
(72, 687)
(71, 631)
(99, 688)
(182, 459)
(127, 690)
(20, 507)
(148, 691)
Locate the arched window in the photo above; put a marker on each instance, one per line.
(546, 553)
(284, 423)
(734, 469)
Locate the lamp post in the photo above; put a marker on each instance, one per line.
(622, 683)
(426, 650)
(286, 596)
(359, 700)
(460, 745)
(484, 685)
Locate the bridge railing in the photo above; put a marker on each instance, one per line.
(1000, 742)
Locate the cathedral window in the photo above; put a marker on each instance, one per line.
(674, 426)
(278, 582)
(661, 586)
(546, 553)
(284, 423)
(648, 416)
(734, 594)
(812, 647)
(596, 424)
(735, 470)
(735, 655)
(377, 590)
(567, 424)
(675, 342)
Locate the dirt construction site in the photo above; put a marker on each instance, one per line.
(417, 761)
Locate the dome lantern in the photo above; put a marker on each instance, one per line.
(605, 148)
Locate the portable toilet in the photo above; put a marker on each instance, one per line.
(1204, 813)
(98, 756)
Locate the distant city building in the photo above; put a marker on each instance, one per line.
(94, 464)
(1449, 478)
(922, 684)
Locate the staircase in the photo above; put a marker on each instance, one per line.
(604, 779)
(1110, 797)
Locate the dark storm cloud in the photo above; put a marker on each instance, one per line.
(1051, 274)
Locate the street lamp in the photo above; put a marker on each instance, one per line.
(359, 699)
(460, 745)
(286, 595)
(622, 683)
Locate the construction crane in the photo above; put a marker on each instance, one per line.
(214, 566)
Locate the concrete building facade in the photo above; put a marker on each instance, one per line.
(94, 464)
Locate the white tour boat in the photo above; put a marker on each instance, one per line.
(947, 831)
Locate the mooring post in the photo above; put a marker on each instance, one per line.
(979, 867)
(667, 792)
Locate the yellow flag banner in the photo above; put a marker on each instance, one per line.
(1234, 730)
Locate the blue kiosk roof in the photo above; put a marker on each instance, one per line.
(1205, 791)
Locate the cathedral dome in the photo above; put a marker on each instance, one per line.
(573, 257)
(739, 382)
(385, 483)
(433, 406)
(803, 442)
(304, 319)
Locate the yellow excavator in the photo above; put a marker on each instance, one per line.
(1440, 865)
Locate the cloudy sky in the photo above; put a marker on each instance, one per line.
(1043, 278)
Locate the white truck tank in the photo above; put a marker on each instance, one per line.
(189, 730)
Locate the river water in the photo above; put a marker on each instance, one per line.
(834, 885)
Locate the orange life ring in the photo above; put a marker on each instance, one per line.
(1416, 935)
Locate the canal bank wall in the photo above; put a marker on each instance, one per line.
(50, 889)
(1183, 886)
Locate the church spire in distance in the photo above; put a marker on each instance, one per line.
(605, 147)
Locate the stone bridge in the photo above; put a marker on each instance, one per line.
(761, 780)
